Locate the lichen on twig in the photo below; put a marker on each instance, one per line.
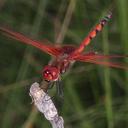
(45, 105)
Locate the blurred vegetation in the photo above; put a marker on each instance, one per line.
(94, 96)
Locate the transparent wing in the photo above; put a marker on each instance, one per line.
(106, 60)
(48, 48)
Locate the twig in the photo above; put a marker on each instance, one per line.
(45, 105)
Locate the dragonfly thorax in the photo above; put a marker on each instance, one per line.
(64, 66)
(50, 73)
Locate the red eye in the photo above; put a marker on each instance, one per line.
(50, 73)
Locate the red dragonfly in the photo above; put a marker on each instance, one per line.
(66, 54)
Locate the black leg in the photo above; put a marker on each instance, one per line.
(59, 88)
(50, 85)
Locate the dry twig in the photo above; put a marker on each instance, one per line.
(45, 105)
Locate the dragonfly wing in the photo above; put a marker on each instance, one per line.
(48, 48)
(103, 60)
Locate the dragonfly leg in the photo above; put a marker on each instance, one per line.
(59, 88)
(50, 85)
(46, 85)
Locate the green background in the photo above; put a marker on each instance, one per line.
(94, 96)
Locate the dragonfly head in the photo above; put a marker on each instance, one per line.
(50, 73)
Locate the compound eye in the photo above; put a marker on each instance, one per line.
(50, 73)
(47, 75)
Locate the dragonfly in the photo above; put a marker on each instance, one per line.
(65, 55)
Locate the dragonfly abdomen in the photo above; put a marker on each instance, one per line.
(92, 34)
